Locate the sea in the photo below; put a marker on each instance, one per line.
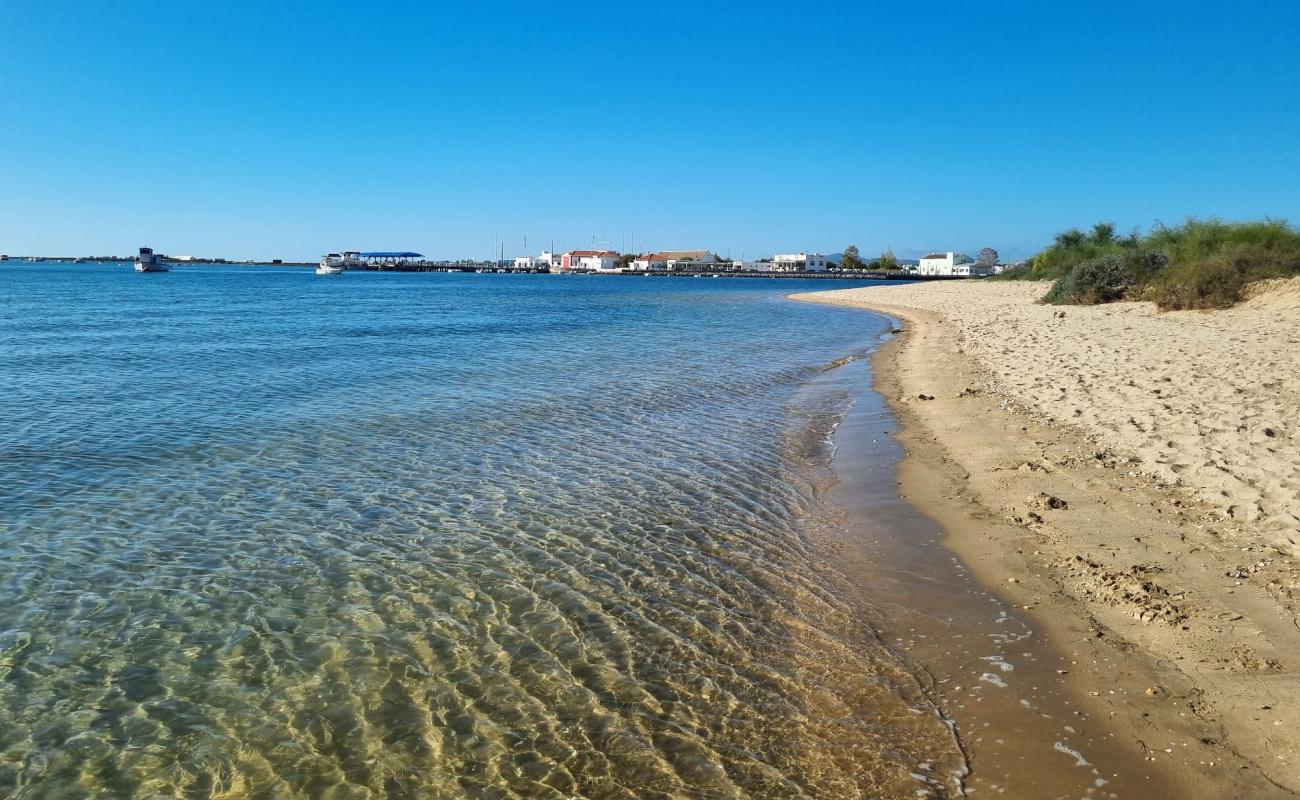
(267, 534)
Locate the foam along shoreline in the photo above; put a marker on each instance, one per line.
(1173, 605)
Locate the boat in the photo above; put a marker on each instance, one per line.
(148, 261)
(331, 264)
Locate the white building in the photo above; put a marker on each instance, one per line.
(949, 264)
(590, 261)
(547, 260)
(762, 265)
(973, 269)
(799, 262)
(675, 260)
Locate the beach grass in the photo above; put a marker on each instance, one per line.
(1198, 264)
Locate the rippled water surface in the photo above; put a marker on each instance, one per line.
(264, 534)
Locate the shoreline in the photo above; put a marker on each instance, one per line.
(499, 269)
(983, 665)
(1175, 672)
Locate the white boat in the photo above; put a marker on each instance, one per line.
(147, 261)
(331, 264)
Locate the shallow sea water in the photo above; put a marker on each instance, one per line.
(264, 534)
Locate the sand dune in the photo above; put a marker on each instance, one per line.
(1274, 295)
(1206, 400)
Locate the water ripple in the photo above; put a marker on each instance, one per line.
(429, 536)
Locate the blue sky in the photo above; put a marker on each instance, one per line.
(283, 130)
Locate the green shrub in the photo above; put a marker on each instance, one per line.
(1074, 247)
(1199, 264)
(1063, 291)
(1142, 265)
(1196, 239)
(1019, 272)
(1212, 283)
(1100, 280)
(1218, 280)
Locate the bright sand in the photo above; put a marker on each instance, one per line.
(1129, 479)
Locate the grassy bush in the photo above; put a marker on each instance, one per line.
(1020, 272)
(1199, 264)
(1100, 280)
(1074, 247)
(1201, 238)
(1217, 280)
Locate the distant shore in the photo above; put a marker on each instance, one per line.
(1128, 480)
(489, 267)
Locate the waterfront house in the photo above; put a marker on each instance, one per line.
(799, 262)
(547, 261)
(674, 260)
(973, 269)
(945, 264)
(590, 261)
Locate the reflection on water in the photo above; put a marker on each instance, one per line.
(263, 535)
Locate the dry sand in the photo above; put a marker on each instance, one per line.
(1130, 480)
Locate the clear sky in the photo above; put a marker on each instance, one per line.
(287, 129)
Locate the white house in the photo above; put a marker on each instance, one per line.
(769, 265)
(973, 269)
(945, 264)
(799, 262)
(547, 260)
(675, 260)
(589, 261)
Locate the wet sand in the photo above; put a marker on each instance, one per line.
(1131, 622)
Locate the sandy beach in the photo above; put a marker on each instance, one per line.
(1129, 480)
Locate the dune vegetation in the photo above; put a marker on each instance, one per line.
(1199, 264)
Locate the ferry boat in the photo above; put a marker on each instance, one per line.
(147, 261)
(331, 264)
